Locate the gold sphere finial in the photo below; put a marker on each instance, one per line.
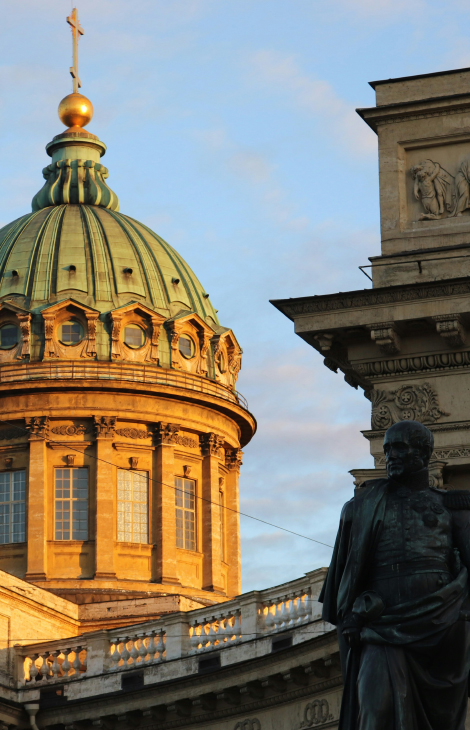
(75, 110)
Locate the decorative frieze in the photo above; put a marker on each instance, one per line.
(134, 433)
(233, 459)
(415, 364)
(211, 443)
(38, 426)
(105, 426)
(79, 430)
(407, 403)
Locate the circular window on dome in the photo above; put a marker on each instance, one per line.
(71, 332)
(134, 336)
(186, 347)
(9, 336)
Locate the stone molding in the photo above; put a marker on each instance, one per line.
(372, 297)
(407, 403)
(413, 364)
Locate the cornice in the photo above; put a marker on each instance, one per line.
(362, 298)
(415, 109)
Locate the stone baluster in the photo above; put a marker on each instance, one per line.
(161, 646)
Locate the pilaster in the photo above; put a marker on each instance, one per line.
(211, 445)
(164, 517)
(105, 516)
(233, 462)
(36, 569)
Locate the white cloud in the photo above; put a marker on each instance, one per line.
(282, 75)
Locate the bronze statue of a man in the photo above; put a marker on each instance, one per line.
(397, 589)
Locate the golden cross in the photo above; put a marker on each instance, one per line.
(77, 31)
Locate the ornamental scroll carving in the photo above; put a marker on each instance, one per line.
(251, 723)
(407, 403)
(149, 321)
(70, 430)
(133, 433)
(55, 316)
(166, 433)
(316, 713)
(441, 194)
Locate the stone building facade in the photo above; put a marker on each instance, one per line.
(121, 433)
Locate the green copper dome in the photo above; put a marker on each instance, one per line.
(99, 257)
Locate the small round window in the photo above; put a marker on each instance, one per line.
(186, 347)
(9, 336)
(134, 336)
(71, 332)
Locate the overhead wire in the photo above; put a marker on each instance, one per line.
(176, 489)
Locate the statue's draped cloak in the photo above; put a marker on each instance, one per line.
(426, 645)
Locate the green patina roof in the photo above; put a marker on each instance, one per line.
(37, 251)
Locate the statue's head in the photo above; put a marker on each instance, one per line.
(408, 446)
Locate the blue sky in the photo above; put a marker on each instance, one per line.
(231, 131)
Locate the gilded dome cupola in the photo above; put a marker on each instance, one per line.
(122, 426)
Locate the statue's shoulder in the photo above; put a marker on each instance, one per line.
(454, 498)
(371, 485)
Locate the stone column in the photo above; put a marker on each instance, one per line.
(211, 548)
(105, 491)
(37, 499)
(164, 514)
(233, 461)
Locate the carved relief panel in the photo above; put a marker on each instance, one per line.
(407, 403)
(69, 331)
(135, 333)
(438, 182)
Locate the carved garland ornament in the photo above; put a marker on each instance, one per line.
(133, 433)
(407, 403)
(316, 713)
(70, 430)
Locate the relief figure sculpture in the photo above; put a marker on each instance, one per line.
(462, 188)
(397, 590)
(434, 186)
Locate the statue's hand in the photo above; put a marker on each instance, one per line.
(352, 636)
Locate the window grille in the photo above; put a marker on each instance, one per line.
(185, 501)
(12, 506)
(71, 504)
(132, 506)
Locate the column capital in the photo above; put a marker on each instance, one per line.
(211, 443)
(105, 426)
(37, 427)
(233, 459)
(165, 433)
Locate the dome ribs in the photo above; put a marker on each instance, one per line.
(157, 281)
(19, 254)
(72, 250)
(121, 254)
(98, 255)
(41, 282)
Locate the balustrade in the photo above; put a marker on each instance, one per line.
(146, 647)
(286, 612)
(216, 632)
(49, 664)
